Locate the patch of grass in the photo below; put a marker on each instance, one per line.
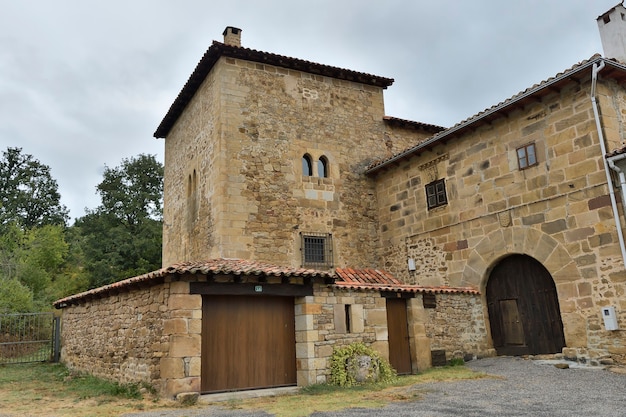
(329, 398)
(42, 389)
(51, 389)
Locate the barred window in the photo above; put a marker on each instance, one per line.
(436, 194)
(317, 250)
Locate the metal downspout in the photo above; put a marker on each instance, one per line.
(594, 78)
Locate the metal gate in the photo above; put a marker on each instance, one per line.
(29, 337)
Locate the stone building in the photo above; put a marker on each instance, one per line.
(298, 217)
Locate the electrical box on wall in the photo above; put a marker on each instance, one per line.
(411, 264)
(610, 318)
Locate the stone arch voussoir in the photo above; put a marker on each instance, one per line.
(517, 240)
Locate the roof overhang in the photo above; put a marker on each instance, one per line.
(577, 74)
(218, 50)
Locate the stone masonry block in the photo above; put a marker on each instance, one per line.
(184, 346)
(308, 336)
(175, 326)
(185, 302)
(304, 323)
(172, 368)
(544, 247)
(194, 326)
(176, 386)
(306, 377)
(311, 308)
(357, 320)
(381, 333)
(339, 318)
(179, 287)
(195, 366)
(376, 317)
(305, 350)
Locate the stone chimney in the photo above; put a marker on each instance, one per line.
(612, 25)
(232, 36)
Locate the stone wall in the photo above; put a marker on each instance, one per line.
(149, 335)
(320, 327)
(558, 212)
(244, 134)
(457, 326)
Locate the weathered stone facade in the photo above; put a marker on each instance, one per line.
(235, 190)
(149, 335)
(559, 211)
(234, 185)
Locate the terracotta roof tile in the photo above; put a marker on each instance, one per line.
(377, 280)
(211, 267)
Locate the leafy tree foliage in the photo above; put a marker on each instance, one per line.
(35, 268)
(133, 192)
(15, 297)
(122, 237)
(28, 194)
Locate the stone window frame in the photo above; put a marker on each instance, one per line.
(192, 198)
(436, 195)
(526, 156)
(307, 165)
(316, 249)
(322, 167)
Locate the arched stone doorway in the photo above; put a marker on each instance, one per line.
(523, 308)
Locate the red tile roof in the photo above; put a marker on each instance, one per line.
(218, 49)
(358, 279)
(577, 73)
(210, 267)
(374, 279)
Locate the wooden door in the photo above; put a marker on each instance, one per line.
(248, 342)
(398, 333)
(524, 308)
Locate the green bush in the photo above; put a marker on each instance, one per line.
(344, 361)
(15, 297)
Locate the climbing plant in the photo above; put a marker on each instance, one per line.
(346, 361)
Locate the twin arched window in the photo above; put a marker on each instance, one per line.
(307, 166)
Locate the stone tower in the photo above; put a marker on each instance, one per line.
(264, 160)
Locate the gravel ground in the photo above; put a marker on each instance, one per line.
(525, 388)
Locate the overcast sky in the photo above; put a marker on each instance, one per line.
(84, 84)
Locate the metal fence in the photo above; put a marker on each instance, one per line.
(31, 337)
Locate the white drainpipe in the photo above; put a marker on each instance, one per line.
(594, 78)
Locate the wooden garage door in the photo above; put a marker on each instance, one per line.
(248, 342)
(524, 308)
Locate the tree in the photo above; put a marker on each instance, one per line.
(122, 237)
(28, 194)
(133, 192)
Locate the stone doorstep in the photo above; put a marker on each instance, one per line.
(243, 395)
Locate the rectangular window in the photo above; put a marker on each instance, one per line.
(436, 194)
(317, 249)
(526, 156)
(348, 318)
(429, 300)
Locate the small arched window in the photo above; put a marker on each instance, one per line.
(307, 166)
(322, 167)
